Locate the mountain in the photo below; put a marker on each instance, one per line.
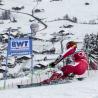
(51, 21)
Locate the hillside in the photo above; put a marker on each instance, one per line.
(48, 20)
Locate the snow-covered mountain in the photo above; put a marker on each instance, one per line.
(50, 11)
(51, 18)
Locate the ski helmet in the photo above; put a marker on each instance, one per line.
(79, 55)
(70, 44)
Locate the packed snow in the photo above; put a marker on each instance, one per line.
(88, 88)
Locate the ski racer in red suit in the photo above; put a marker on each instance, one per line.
(79, 68)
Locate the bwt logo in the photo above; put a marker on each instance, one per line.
(20, 44)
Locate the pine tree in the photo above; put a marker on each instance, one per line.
(91, 49)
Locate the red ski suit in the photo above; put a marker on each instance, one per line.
(79, 68)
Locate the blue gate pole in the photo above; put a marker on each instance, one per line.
(6, 69)
(32, 64)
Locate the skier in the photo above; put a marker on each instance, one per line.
(78, 68)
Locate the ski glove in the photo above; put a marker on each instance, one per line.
(52, 65)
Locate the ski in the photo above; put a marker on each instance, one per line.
(41, 84)
(51, 83)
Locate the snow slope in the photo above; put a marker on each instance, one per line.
(88, 88)
(54, 10)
